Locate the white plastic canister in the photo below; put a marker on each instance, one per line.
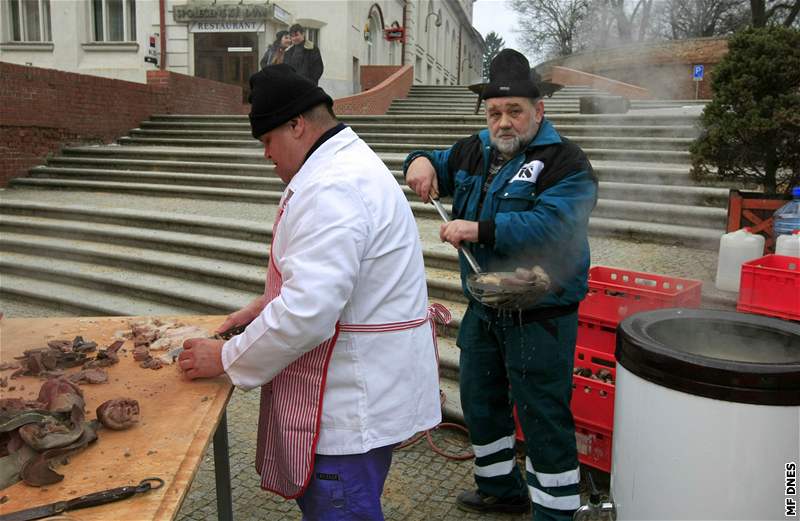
(736, 248)
(788, 244)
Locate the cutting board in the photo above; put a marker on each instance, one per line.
(177, 421)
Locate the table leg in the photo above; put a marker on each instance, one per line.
(222, 471)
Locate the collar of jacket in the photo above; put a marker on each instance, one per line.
(322, 154)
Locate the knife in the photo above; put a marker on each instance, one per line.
(467, 254)
(89, 500)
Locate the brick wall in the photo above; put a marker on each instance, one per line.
(374, 75)
(663, 68)
(43, 110)
(377, 99)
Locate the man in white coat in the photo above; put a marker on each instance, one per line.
(342, 342)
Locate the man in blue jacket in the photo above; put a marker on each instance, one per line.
(522, 196)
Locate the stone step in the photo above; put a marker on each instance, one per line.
(233, 240)
(75, 300)
(144, 214)
(651, 212)
(230, 167)
(137, 234)
(691, 195)
(141, 259)
(623, 212)
(194, 297)
(445, 110)
(151, 189)
(630, 118)
(669, 156)
(669, 234)
(104, 276)
(567, 129)
(251, 182)
(643, 173)
(439, 141)
(205, 130)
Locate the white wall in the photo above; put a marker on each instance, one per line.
(341, 24)
(72, 49)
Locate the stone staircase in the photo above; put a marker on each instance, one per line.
(176, 217)
(435, 99)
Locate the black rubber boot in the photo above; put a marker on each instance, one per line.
(477, 501)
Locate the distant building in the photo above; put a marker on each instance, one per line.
(224, 40)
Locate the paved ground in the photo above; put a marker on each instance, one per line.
(421, 485)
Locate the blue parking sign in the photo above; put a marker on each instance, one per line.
(697, 75)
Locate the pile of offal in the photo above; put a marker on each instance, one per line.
(37, 434)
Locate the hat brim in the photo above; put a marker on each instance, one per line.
(545, 88)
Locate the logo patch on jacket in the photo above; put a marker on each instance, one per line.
(529, 172)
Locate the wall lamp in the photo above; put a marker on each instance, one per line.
(437, 22)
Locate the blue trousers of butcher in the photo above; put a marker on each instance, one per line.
(347, 487)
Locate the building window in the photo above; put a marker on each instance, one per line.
(114, 20)
(312, 35)
(30, 20)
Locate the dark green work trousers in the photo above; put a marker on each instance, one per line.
(504, 363)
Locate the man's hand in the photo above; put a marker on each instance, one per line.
(455, 232)
(244, 316)
(421, 177)
(201, 358)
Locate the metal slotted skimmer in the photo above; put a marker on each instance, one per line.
(505, 290)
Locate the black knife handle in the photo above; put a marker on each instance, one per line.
(115, 494)
(101, 498)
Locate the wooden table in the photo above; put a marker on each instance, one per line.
(178, 418)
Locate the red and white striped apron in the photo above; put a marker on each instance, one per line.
(291, 404)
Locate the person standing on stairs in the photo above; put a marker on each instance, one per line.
(304, 55)
(342, 342)
(276, 51)
(522, 196)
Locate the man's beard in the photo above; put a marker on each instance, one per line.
(510, 146)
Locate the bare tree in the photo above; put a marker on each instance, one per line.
(615, 22)
(704, 18)
(782, 12)
(549, 27)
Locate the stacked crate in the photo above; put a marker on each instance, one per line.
(614, 294)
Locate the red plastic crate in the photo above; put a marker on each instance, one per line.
(615, 294)
(593, 400)
(597, 334)
(594, 446)
(770, 286)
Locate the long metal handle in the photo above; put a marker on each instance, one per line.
(467, 254)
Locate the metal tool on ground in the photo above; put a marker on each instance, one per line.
(89, 500)
(511, 290)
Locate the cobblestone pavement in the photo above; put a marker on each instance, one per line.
(421, 486)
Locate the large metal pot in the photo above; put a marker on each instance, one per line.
(707, 415)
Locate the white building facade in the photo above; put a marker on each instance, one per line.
(224, 40)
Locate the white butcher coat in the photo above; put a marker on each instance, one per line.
(348, 249)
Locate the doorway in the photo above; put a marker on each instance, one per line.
(227, 57)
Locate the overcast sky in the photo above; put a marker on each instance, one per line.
(497, 16)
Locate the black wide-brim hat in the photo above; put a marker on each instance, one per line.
(510, 74)
(278, 94)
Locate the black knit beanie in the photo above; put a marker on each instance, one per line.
(277, 94)
(510, 75)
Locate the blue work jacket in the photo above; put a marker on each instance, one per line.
(536, 210)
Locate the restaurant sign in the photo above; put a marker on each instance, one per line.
(227, 27)
(222, 13)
